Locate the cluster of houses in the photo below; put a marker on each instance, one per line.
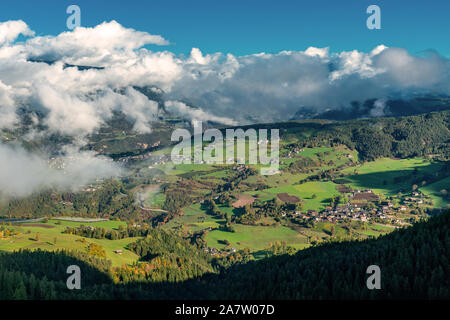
(217, 252)
(153, 160)
(295, 149)
(291, 153)
(159, 160)
(348, 211)
(417, 198)
(144, 156)
(351, 210)
(358, 211)
(94, 187)
(60, 163)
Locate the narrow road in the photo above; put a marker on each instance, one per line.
(152, 209)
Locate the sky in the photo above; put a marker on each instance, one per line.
(250, 26)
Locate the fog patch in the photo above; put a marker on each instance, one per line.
(23, 173)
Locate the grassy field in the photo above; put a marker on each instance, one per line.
(323, 192)
(434, 189)
(156, 200)
(188, 168)
(53, 230)
(194, 219)
(255, 237)
(341, 232)
(339, 154)
(273, 181)
(379, 175)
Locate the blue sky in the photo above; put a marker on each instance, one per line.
(249, 26)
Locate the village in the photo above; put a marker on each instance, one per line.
(356, 210)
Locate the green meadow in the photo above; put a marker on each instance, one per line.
(194, 218)
(315, 195)
(255, 237)
(52, 230)
(434, 191)
(380, 175)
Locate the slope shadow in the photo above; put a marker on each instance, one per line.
(399, 180)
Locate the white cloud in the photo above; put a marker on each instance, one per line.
(67, 114)
(10, 30)
(258, 87)
(378, 50)
(405, 71)
(7, 107)
(320, 52)
(136, 106)
(379, 108)
(354, 62)
(181, 109)
(22, 173)
(101, 44)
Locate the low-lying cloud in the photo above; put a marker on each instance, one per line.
(182, 110)
(23, 173)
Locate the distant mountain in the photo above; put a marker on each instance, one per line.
(377, 108)
(50, 61)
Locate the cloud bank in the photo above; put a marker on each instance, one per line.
(222, 87)
(22, 173)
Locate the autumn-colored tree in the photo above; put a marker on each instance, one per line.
(96, 250)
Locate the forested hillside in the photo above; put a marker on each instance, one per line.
(403, 137)
(414, 264)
